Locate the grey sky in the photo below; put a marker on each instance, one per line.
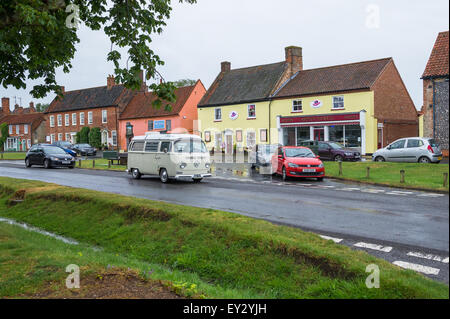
(251, 32)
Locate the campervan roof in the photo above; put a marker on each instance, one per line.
(158, 136)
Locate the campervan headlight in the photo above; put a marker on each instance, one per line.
(207, 165)
(183, 165)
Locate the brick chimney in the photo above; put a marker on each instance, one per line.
(225, 66)
(144, 86)
(5, 106)
(294, 59)
(18, 109)
(110, 81)
(31, 108)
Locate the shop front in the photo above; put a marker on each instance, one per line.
(347, 129)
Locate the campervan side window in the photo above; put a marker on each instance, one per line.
(166, 145)
(151, 147)
(138, 146)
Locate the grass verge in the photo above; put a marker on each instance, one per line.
(417, 176)
(101, 164)
(230, 252)
(13, 156)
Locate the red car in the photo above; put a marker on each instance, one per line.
(297, 161)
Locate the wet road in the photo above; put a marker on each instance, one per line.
(405, 221)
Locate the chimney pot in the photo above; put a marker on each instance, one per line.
(294, 59)
(110, 81)
(225, 66)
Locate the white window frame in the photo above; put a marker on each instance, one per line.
(17, 129)
(25, 129)
(52, 138)
(90, 118)
(52, 121)
(216, 119)
(60, 136)
(334, 103)
(104, 116)
(29, 143)
(81, 118)
(59, 119)
(295, 104)
(74, 119)
(114, 138)
(248, 111)
(10, 129)
(66, 119)
(67, 137)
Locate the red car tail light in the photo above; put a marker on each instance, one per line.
(430, 149)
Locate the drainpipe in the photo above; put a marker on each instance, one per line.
(434, 108)
(270, 127)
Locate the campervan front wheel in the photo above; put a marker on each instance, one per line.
(164, 177)
(135, 173)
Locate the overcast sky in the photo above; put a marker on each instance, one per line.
(252, 32)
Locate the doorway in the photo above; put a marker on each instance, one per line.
(319, 134)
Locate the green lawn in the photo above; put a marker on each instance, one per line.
(423, 176)
(236, 255)
(13, 155)
(100, 163)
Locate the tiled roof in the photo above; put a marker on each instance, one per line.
(244, 85)
(141, 105)
(438, 62)
(91, 98)
(32, 118)
(346, 77)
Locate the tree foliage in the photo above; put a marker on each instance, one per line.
(4, 134)
(35, 39)
(84, 135)
(42, 107)
(184, 82)
(95, 137)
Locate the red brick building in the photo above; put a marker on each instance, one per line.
(436, 93)
(93, 107)
(26, 126)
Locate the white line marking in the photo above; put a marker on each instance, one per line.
(397, 194)
(416, 267)
(371, 190)
(373, 246)
(403, 193)
(350, 189)
(428, 256)
(430, 195)
(336, 240)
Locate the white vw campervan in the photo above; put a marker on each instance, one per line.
(178, 156)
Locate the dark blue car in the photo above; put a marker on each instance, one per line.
(67, 147)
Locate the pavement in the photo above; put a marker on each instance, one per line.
(407, 228)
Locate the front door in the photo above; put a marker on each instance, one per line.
(319, 134)
(228, 144)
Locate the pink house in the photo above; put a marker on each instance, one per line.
(144, 117)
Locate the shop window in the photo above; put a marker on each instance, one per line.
(251, 139)
(297, 106)
(239, 136)
(207, 136)
(336, 134)
(150, 125)
(353, 136)
(218, 140)
(251, 111)
(263, 135)
(338, 102)
(303, 134)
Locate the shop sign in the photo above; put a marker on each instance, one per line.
(316, 104)
(234, 115)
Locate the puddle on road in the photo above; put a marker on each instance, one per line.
(38, 230)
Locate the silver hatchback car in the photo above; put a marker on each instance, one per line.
(410, 149)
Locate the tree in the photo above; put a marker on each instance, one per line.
(42, 107)
(4, 134)
(39, 36)
(184, 82)
(95, 137)
(84, 135)
(78, 138)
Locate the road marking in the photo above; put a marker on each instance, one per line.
(373, 246)
(336, 240)
(372, 190)
(428, 256)
(350, 189)
(396, 194)
(430, 195)
(416, 267)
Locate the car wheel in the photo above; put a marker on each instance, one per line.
(284, 175)
(46, 163)
(197, 180)
(424, 160)
(135, 173)
(163, 175)
(27, 162)
(338, 158)
(320, 179)
(71, 167)
(380, 159)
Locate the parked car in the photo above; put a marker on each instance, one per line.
(297, 161)
(312, 145)
(85, 149)
(48, 156)
(67, 147)
(264, 153)
(334, 151)
(178, 156)
(411, 149)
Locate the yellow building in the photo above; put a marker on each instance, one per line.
(362, 105)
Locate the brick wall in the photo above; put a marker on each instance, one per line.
(427, 108)
(111, 125)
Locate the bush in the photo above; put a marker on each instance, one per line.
(84, 135)
(4, 134)
(95, 137)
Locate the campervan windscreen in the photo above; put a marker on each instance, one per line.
(190, 146)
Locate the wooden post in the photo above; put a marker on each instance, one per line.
(79, 163)
(2, 155)
(445, 179)
(402, 176)
(368, 173)
(340, 168)
(93, 163)
(109, 164)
